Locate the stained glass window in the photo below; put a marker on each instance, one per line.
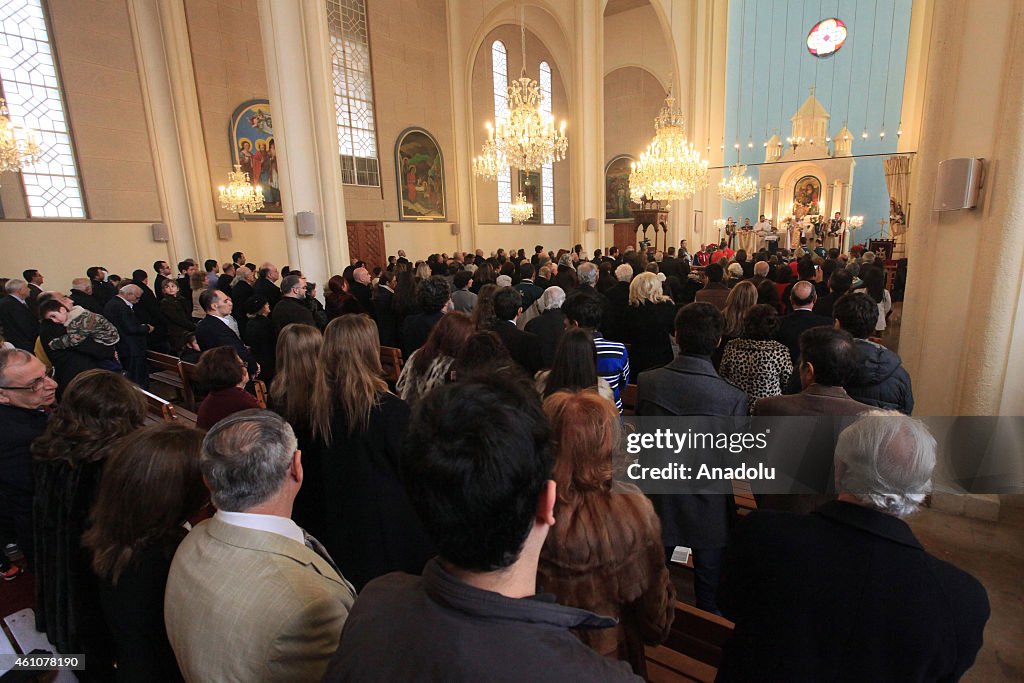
(353, 92)
(499, 72)
(547, 178)
(826, 37)
(31, 86)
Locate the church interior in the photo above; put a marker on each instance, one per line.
(326, 134)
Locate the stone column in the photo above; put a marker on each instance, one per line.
(160, 37)
(586, 136)
(296, 49)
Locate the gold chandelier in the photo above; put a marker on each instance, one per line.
(240, 196)
(522, 210)
(527, 138)
(671, 168)
(18, 147)
(738, 187)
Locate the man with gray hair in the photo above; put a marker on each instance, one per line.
(848, 592)
(587, 274)
(17, 321)
(549, 326)
(81, 295)
(131, 349)
(250, 596)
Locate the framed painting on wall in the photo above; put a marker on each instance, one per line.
(420, 170)
(807, 197)
(616, 189)
(529, 185)
(251, 132)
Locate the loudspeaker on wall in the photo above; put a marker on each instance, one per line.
(305, 223)
(455, 228)
(592, 224)
(957, 184)
(160, 232)
(224, 231)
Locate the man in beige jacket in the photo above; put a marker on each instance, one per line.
(250, 596)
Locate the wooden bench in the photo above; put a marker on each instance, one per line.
(162, 410)
(189, 379)
(693, 650)
(744, 497)
(391, 361)
(259, 390)
(164, 370)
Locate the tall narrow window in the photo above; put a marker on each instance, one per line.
(499, 70)
(353, 92)
(547, 177)
(32, 89)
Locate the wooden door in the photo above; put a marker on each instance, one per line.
(366, 243)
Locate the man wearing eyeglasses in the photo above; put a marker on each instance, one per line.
(27, 390)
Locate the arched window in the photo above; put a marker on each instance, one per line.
(499, 71)
(547, 178)
(31, 85)
(353, 92)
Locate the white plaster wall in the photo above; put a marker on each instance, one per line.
(635, 38)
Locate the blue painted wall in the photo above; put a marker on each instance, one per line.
(769, 72)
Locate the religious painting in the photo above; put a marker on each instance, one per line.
(807, 197)
(254, 150)
(616, 189)
(529, 185)
(420, 171)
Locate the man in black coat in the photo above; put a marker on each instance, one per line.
(228, 272)
(618, 304)
(847, 592)
(839, 283)
(689, 385)
(219, 328)
(881, 379)
(132, 348)
(432, 297)
(265, 284)
(81, 295)
(101, 289)
(26, 391)
(526, 287)
(185, 270)
(163, 271)
(801, 300)
(549, 326)
(241, 293)
(524, 347)
(17, 322)
(35, 281)
(292, 307)
(148, 312)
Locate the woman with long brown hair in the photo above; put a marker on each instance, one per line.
(428, 366)
(151, 485)
(368, 525)
(742, 297)
(483, 312)
(605, 554)
(97, 409)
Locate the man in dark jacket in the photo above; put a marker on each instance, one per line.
(265, 287)
(848, 592)
(81, 295)
(839, 283)
(549, 326)
(132, 347)
(101, 289)
(522, 346)
(219, 328)
(432, 297)
(802, 296)
(490, 511)
(242, 292)
(292, 307)
(26, 391)
(880, 380)
(689, 385)
(17, 322)
(148, 312)
(715, 291)
(617, 304)
(526, 287)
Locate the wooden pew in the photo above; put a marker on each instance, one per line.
(391, 361)
(259, 390)
(693, 650)
(162, 410)
(628, 397)
(189, 379)
(164, 370)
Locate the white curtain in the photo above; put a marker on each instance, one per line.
(897, 179)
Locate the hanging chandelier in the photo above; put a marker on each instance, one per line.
(671, 168)
(18, 147)
(240, 196)
(527, 138)
(738, 187)
(522, 210)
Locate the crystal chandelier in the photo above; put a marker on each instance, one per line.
(738, 187)
(241, 196)
(671, 168)
(522, 210)
(18, 148)
(527, 138)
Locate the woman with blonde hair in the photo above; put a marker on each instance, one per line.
(647, 325)
(741, 299)
(605, 554)
(368, 524)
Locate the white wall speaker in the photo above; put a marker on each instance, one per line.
(160, 232)
(592, 224)
(957, 184)
(305, 223)
(455, 228)
(224, 231)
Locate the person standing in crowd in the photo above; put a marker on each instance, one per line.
(81, 294)
(224, 376)
(429, 366)
(219, 328)
(463, 300)
(584, 308)
(177, 324)
(340, 300)
(755, 362)
(432, 298)
(574, 368)
(741, 299)
(19, 324)
(241, 292)
(549, 326)
(292, 308)
(151, 486)
(648, 324)
(131, 348)
(265, 285)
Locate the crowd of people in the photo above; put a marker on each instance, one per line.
(361, 530)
